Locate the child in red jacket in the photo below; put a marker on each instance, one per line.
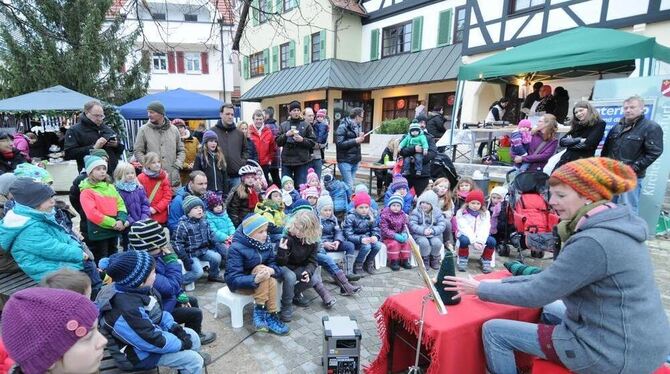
(157, 186)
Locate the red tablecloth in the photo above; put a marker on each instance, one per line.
(453, 340)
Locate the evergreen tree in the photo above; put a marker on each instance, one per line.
(74, 43)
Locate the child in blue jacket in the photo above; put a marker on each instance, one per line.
(339, 192)
(218, 219)
(400, 187)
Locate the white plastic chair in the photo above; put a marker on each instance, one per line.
(235, 302)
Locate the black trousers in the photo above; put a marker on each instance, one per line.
(191, 316)
(103, 248)
(418, 182)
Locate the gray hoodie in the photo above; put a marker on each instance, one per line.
(614, 322)
(420, 221)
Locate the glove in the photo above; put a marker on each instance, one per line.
(182, 335)
(399, 238)
(171, 258)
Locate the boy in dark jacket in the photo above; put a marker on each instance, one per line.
(142, 335)
(194, 241)
(361, 228)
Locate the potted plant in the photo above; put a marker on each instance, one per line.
(387, 131)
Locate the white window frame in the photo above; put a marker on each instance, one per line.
(192, 63)
(158, 57)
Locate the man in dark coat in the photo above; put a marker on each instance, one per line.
(89, 133)
(233, 143)
(420, 182)
(297, 138)
(10, 157)
(348, 139)
(435, 123)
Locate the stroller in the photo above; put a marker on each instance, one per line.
(528, 222)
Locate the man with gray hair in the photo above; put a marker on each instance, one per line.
(636, 141)
(92, 133)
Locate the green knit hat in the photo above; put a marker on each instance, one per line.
(285, 179)
(191, 202)
(99, 152)
(157, 107)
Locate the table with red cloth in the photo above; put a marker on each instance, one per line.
(453, 341)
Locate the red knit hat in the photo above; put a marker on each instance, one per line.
(361, 198)
(475, 195)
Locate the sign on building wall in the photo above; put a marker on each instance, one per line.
(611, 111)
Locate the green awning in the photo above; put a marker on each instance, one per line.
(604, 50)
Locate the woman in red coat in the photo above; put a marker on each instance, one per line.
(157, 186)
(264, 141)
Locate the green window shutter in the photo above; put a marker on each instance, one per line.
(275, 59)
(374, 44)
(417, 31)
(255, 16)
(322, 52)
(278, 6)
(266, 61)
(268, 8)
(245, 67)
(291, 53)
(306, 58)
(444, 28)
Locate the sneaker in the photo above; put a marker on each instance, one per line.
(486, 266)
(219, 278)
(207, 337)
(462, 264)
(206, 358)
(260, 319)
(301, 301)
(275, 325)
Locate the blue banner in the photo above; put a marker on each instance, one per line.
(612, 111)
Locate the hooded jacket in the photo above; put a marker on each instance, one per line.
(137, 203)
(103, 207)
(221, 225)
(347, 149)
(419, 221)
(356, 227)
(330, 229)
(162, 197)
(165, 140)
(168, 282)
(614, 321)
(296, 153)
(435, 124)
(234, 146)
(427, 159)
(274, 213)
(38, 244)
(264, 141)
(243, 256)
(392, 223)
(339, 192)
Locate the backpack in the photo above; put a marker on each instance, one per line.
(533, 215)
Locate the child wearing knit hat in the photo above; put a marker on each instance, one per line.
(399, 186)
(272, 208)
(374, 207)
(211, 161)
(495, 207)
(473, 224)
(360, 227)
(392, 225)
(251, 269)
(289, 194)
(339, 192)
(218, 219)
(142, 333)
(311, 194)
(52, 330)
(415, 137)
(313, 180)
(427, 223)
(194, 241)
(520, 142)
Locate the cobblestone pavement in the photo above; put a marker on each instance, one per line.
(244, 351)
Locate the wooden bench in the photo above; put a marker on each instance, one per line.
(108, 366)
(13, 282)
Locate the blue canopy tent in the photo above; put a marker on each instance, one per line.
(56, 98)
(179, 103)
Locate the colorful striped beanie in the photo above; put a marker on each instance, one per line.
(596, 178)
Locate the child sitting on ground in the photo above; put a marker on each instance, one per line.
(520, 142)
(251, 269)
(312, 195)
(244, 198)
(272, 208)
(218, 219)
(133, 195)
(289, 194)
(393, 223)
(463, 188)
(156, 185)
(427, 223)
(360, 227)
(194, 241)
(400, 187)
(474, 226)
(145, 336)
(339, 192)
(446, 205)
(415, 137)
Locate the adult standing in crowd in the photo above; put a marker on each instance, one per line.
(348, 138)
(261, 136)
(496, 113)
(297, 139)
(420, 182)
(586, 131)
(191, 144)
(602, 308)
(10, 157)
(271, 123)
(197, 186)
(531, 98)
(321, 129)
(435, 122)
(252, 153)
(159, 136)
(547, 102)
(636, 141)
(562, 100)
(90, 132)
(232, 142)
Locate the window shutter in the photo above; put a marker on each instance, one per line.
(306, 58)
(291, 53)
(268, 8)
(374, 44)
(245, 67)
(417, 30)
(278, 6)
(255, 16)
(266, 61)
(444, 28)
(204, 62)
(170, 58)
(322, 52)
(275, 59)
(180, 62)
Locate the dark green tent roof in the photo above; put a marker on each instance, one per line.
(602, 49)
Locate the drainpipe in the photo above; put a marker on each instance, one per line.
(223, 61)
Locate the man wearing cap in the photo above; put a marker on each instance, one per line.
(91, 133)
(233, 144)
(348, 138)
(158, 136)
(297, 138)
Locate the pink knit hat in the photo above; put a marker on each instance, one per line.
(312, 176)
(310, 191)
(525, 123)
(321, 112)
(40, 324)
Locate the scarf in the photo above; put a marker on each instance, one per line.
(262, 247)
(474, 213)
(8, 155)
(150, 173)
(567, 228)
(463, 194)
(253, 198)
(126, 186)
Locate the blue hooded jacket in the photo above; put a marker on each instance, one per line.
(243, 256)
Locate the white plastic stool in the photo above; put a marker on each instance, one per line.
(381, 257)
(235, 302)
(191, 286)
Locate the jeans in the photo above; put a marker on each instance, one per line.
(502, 337)
(190, 317)
(317, 165)
(326, 262)
(233, 182)
(287, 284)
(297, 172)
(189, 362)
(214, 259)
(348, 172)
(367, 252)
(418, 164)
(630, 198)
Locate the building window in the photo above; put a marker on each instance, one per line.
(459, 25)
(316, 47)
(191, 17)
(284, 51)
(192, 62)
(518, 6)
(262, 9)
(256, 65)
(289, 4)
(397, 39)
(159, 62)
(399, 107)
(158, 16)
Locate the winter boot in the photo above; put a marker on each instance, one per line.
(486, 266)
(346, 288)
(260, 317)
(369, 266)
(276, 326)
(426, 262)
(328, 299)
(405, 264)
(358, 269)
(349, 268)
(462, 264)
(301, 301)
(286, 314)
(434, 262)
(395, 265)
